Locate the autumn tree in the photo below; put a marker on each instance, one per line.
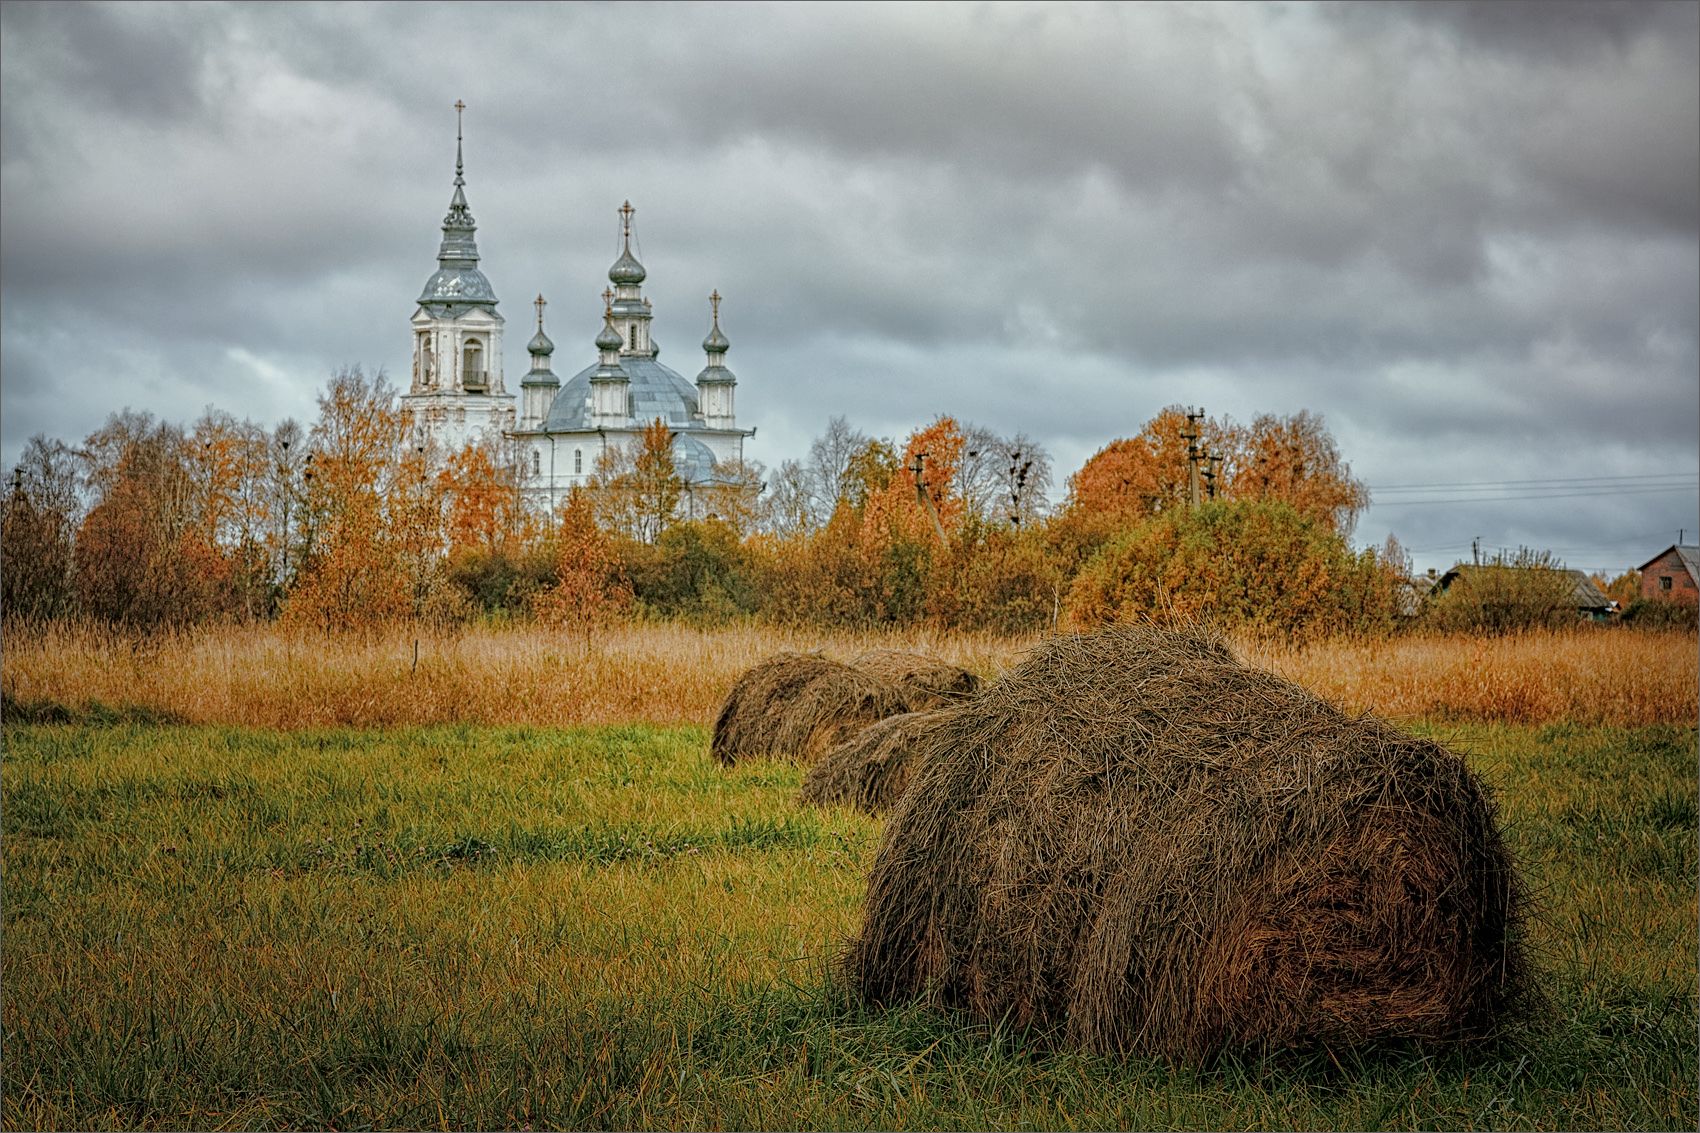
(286, 465)
(1623, 589)
(1512, 591)
(1255, 564)
(995, 576)
(589, 591)
(636, 488)
(733, 496)
(143, 557)
(481, 500)
(923, 493)
(834, 472)
(1291, 459)
(229, 463)
(1003, 479)
(353, 574)
(1294, 460)
(786, 509)
(698, 571)
(1131, 479)
(40, 519)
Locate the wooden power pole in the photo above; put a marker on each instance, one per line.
(1191, 435)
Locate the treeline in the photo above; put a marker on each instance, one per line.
(349, 525)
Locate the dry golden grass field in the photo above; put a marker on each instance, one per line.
(669, 674)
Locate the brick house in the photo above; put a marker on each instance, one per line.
(1673, 575)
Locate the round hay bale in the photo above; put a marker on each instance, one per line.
(797, 705)
(1138, 844)
(926, 681)
(870, 769)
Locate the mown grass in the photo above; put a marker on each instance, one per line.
(472, 927)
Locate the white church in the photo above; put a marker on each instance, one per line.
(561, 429)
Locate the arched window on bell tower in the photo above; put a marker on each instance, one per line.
(472, 375)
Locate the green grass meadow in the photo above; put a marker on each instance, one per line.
(466, 927)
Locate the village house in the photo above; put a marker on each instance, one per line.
(1672, 575)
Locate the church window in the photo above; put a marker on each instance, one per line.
(578, 461)
(536, 462)
(634, 336)
(472, 364)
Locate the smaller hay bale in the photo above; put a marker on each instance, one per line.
(796, 706)
(926, 681)
(870, 769)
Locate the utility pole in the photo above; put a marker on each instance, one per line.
(1476, 550)
(916, 469)
(1212, 468)
(1190, 436)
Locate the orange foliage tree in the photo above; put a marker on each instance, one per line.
(1129, 480)
(481, 503)
(1253, 564)
(1288, 459)
(589, 590)
(636, 490)
(1294, 460)
(146, 553)
(353, 575)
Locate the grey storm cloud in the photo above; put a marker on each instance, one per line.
(1465, 233)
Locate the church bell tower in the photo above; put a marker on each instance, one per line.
(457, 393)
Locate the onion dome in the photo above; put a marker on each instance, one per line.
(540, 346)
(627, 272)
(716, 342)
(609, 338)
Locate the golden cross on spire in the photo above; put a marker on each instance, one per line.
(541, 303)
(607, 301)
(626, 211)
(714, 302)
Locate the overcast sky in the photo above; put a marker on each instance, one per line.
(1466, 235)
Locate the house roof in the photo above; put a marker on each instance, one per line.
(1584, 594)
(1689, 556)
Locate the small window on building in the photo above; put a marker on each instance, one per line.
(536, 462)
(1664, 582)
(578, 461)
(634, 336)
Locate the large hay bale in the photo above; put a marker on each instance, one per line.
(926, 681)
(796, 705)
(1141, 845)
(869, 770)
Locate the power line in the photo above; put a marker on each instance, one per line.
(1634, 490)
(1571, 481)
